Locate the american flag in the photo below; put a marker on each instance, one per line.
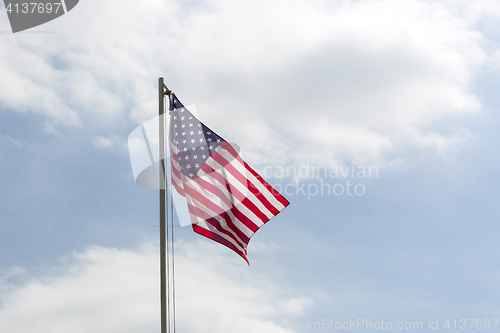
(227, 200)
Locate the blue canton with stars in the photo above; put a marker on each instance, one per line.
(194, 141)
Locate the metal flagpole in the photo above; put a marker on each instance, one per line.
(162, 91)
(163, 213)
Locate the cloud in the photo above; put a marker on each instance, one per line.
(326, 80)
(6, 139)
(355, 77)
(110, 290)
(112, 142)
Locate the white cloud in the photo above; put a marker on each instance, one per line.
(8, 273)
(110, 290)
(293, 81)
(263, 247)
(366, 74)
(8, 140)
(101, 142)
(112, 142)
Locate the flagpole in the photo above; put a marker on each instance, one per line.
(162, 91)
(163, 213)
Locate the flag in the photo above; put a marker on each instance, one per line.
(227, 200)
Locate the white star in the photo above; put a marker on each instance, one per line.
(209, 139)
(184, 133)
(182, 118)
(193, 149)
(184, 141)
(191, 175)
(218, 140)
(175, 133)
(190, 125)
(211, 147)
(201, 140)
(188, 166)
(208, 133)
(191, 133)
(192, 141)
(195, 157)
(200, 132)
(182, 110)
(185, 149)
(203, 156)
(190, 117)
(183, 125)
(175, 125)
(199, 125)
(175, 117)
(196, 166)
(202, 147)
(187, 157)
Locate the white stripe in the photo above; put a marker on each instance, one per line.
(241, 168)
(175, 180)
(174, 163)
(223, 225)
(233, 182)
(211, 180)
(237, 223)
(195, 219)
(244, 209)
(238, 164)
(212, 229)
(208, 195)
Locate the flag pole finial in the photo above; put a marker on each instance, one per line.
(166, 91)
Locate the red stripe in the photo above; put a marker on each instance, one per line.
(248, 184)
(196, 211)
(176, 171)
(203, 200)
(244, 238)
(178, 185)
(219, 211)
(175, 157)
(242, 217)
(214, 190)
(214, 174)
(180, 190)
(216, 225)
(275, 193)
(219, 239)
(238, 195)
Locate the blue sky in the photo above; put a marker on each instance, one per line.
(409, 87)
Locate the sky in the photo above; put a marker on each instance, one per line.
(377, 120)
